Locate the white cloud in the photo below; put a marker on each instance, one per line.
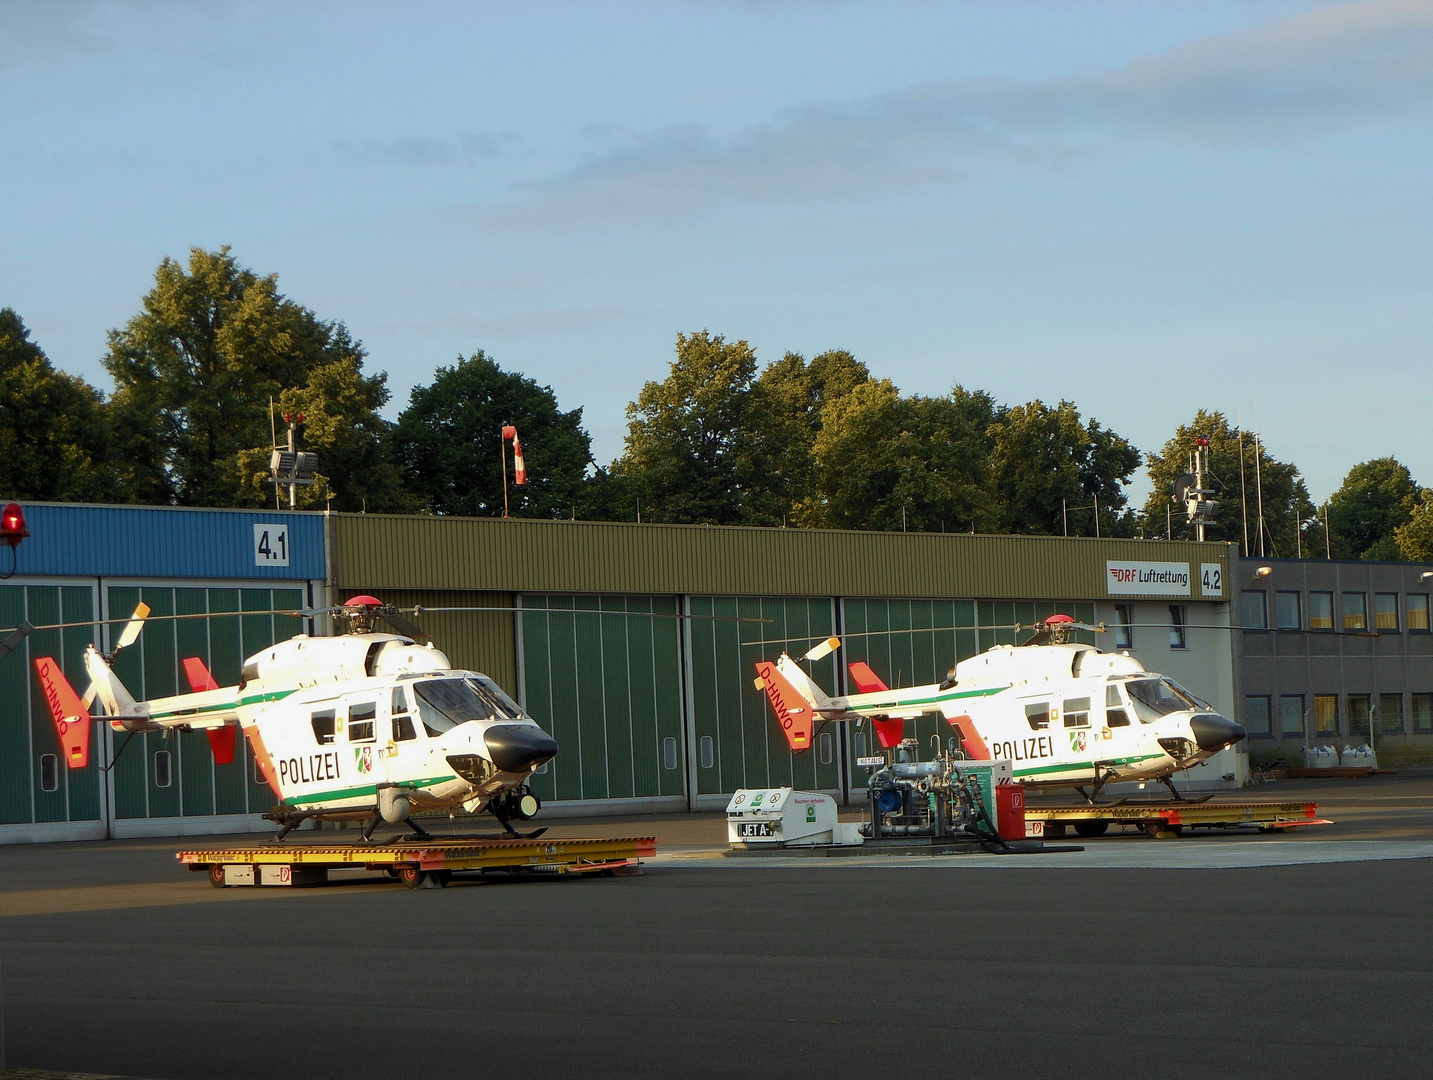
(1283, 80)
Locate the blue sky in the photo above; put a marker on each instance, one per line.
(1144, 208)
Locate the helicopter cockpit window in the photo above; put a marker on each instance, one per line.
(1153, 698)
(1077, 712)
(360, 722)
(323, 724)
(400, 701)
(403, 730)
(503, 705)
(1038, 715)
(445, 703)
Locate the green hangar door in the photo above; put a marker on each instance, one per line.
(35, 783)
(169, 774)
(737, 741)
(603, 676)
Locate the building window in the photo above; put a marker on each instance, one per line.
(1422, 712)
(1256, 609)
(1355, 612)
(1418, 613)
(1320, 611)
(826, 744)
(858, 744)
(669, 753)
(1256, 714)
(49, 772)
(1176, 626)
(1359, 709)
(163, 776)
(1287, 611)
(1390, 714)
(1291, 714)
(1124, 626)
(1385, 612)
(706, 749)
(1325, 714)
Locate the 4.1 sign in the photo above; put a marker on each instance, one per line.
(271, 545)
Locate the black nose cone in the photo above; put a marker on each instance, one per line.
(519, 747)
(1214, 732)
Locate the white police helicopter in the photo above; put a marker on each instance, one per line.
(1064, 714)
(362, 726)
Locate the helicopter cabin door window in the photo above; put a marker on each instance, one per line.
(360, 722)
(323, 726)
(1115, 715)
(1077, 712)
(403, 728)
(1037, 715)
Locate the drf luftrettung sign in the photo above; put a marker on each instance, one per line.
(1146, 578)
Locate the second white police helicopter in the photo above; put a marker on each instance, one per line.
(1064, 714)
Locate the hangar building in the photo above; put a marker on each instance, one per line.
(632, 644)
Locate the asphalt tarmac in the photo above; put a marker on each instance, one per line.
(1203, 957)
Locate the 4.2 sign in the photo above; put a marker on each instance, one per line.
(271, 545)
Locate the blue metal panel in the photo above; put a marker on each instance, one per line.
(74, 540)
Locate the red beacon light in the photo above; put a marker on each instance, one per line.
(12, 524)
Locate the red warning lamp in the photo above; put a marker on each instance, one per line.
(12, 524)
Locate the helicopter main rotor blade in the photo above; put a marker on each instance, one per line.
(11, 643)
(404, 627)
(133, 627)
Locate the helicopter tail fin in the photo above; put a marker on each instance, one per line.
(794, 707)
(72, 718)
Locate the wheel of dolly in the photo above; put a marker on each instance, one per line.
(1091, 828)
(411, 876)
(216, 875)
(441, 877)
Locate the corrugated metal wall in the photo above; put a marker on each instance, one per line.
(71, 540)
(420, 552)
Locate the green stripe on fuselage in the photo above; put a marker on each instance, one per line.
(952, 695)
(223, 706)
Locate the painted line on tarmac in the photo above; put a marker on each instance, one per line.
(1160, 855)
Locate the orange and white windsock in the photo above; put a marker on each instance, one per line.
(519, 469)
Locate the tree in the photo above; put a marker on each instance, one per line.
(194, 374)
(1286, 502)
(693, 451)
(449, 440)
(790, 399)
(1050, 469)
(1375, 498)
(1415, 536)
(887, 462)
(54, 435)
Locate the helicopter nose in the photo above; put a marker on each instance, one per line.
(1215, 732)
(519, 747)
